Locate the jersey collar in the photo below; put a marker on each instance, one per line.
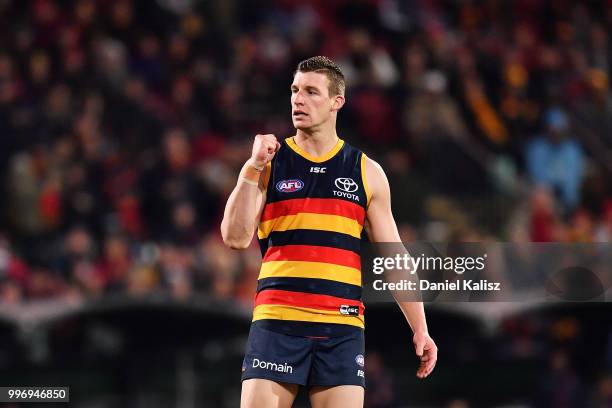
(317, 159)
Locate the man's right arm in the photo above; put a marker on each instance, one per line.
(246, 202)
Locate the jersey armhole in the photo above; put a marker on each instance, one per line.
(364, 180)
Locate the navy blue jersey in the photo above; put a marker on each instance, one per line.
(309, 233)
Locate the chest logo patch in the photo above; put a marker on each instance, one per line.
(346, 184)
(290, 186)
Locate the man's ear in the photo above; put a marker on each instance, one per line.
(338, 102)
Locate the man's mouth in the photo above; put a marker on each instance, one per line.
(299, 114)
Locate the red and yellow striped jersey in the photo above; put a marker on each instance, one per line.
(309, 232)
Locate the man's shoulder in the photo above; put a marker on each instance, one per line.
(372, 165)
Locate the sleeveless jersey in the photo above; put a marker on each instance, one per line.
(309, 233)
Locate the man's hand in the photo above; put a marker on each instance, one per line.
(264, 148)
(427, 351)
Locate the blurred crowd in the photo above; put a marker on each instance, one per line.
(123, 125)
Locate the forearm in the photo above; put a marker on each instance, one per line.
(240, 213)
(409, 302)
(415, 315)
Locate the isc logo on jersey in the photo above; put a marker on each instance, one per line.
(289, 186)
(349, 310)
(348, 186)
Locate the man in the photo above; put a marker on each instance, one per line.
(556, 160)
(310, 198)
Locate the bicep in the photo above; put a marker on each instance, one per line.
(380, 224)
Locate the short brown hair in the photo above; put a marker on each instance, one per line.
(328, 67)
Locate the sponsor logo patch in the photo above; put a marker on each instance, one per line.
(349, 310)
(347, 187)
(289, 186)
(278, 367)
(346, 184)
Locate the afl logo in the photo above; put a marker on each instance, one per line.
(346, 184)
(289, 186)
(359, 360)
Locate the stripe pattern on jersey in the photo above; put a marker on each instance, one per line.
(310, 241)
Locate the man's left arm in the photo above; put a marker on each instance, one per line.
(381, 227)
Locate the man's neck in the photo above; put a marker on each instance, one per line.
(316, 143)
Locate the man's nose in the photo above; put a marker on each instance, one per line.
(298, 98)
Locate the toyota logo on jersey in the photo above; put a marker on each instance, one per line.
(346, 184)
(347, 187)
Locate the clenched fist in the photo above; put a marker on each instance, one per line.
(264, 148)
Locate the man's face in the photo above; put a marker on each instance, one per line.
(311, 103)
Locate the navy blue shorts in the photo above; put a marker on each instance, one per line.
(308, 361)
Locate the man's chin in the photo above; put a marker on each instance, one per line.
(301, 126)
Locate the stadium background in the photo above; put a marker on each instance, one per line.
(123, 125)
